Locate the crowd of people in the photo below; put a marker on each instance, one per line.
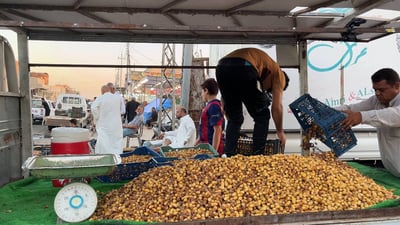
(248, 77)
(239, 75)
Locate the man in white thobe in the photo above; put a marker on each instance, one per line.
(107, 118)
(184, 136)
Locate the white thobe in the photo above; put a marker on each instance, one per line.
(107, 118)
(184, 136)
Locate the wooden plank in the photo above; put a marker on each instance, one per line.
(372, 216)
(58, 121)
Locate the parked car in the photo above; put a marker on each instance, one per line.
(38, 111)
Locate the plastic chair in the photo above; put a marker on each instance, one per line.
(137, 135)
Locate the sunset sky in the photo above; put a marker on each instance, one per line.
(89, 80)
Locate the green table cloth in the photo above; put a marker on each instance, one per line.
(30, 201)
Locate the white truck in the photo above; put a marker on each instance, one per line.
(37, 109)
(69, 106)
(331, 85)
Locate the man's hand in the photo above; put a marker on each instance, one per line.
(352, 119)
(282, 137)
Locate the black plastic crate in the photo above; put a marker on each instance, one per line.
(245, 147)
(310, 112)
(128, 171)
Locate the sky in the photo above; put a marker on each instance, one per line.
(89, 80)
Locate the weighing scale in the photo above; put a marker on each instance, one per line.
(76, 201)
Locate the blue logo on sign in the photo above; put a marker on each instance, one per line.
(345, 59)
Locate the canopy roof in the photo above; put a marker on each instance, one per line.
(201, 21)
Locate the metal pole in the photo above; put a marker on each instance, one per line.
(168, 59)
(187, 61)
(26, 123)
(305, 142)
(128, 62)
(3, 71)
(341, 85)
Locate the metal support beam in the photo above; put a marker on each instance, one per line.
(303, 80)
(303, 67)
(25, 102)
(186, 73)
(166, 8)
(168, 59)
(208, 28)
(170, 5)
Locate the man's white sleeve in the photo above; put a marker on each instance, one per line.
(122, 105)
(95, 109)
(389, 117)
(365, 105)
(171, 133)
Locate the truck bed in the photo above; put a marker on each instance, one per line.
(63, 121)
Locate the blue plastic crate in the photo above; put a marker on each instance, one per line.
(309, 111)
(163, 161)
(141, 151)
(203, 156)
(128, 171)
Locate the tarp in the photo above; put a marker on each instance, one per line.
(167, 104)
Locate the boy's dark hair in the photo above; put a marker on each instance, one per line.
(183, 110)
(388, 74)
(211, 85)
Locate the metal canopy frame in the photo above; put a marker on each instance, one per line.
(193, 21)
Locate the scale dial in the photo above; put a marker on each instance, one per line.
(75, 202)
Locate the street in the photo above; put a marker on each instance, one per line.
(39, 130)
